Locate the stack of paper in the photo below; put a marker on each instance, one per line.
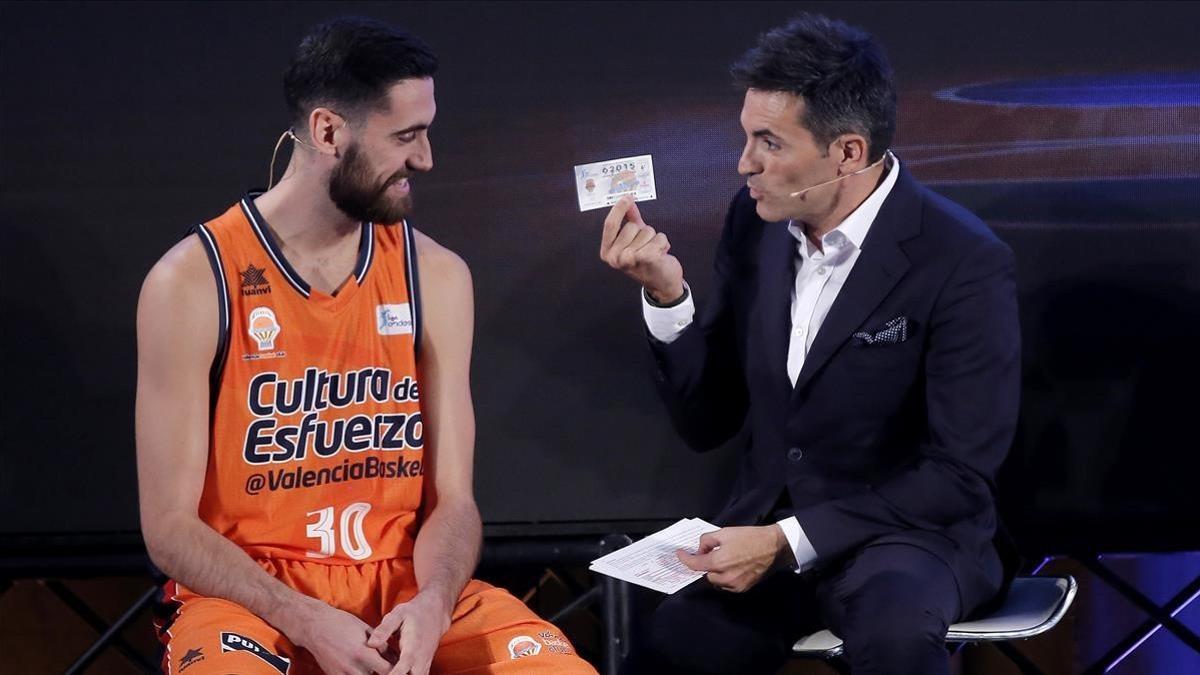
(652, 562)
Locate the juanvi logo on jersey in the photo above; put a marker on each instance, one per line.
(393, 319)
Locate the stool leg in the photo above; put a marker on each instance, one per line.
(615, 610)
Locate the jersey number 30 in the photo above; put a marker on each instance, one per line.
(354, 542)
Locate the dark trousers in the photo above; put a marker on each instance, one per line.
(890, 604)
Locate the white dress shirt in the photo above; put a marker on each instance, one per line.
(820, 275)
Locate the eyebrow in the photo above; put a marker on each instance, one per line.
(409, 130)
(764, 132)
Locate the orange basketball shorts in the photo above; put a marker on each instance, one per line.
(490, 631)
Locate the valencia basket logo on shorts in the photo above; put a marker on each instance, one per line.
(522, 646)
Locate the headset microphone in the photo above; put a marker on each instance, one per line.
(886, 154)
(288, 133)
(291, 133)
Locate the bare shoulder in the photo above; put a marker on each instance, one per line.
(183, 271)
(177, 314)
(441, 269)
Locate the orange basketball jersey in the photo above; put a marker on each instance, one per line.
(316, 439)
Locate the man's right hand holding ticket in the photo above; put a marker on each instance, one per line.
(643, 254)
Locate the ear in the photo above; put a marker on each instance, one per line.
(853, 155)
(323, 127)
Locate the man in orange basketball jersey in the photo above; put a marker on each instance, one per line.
(304, 420)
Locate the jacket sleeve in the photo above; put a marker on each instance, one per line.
(972, 390)
(699, 375)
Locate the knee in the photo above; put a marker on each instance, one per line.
(681, 639)
(884, 641)
(899, 631)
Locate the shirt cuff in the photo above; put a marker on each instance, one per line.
(802, 548)
(668, 323)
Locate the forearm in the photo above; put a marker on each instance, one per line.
(192, 553)
(930, 496)
(447, 549)
(701, 385)
(699, 371)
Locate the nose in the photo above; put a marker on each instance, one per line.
(747, 164)
(422, 159)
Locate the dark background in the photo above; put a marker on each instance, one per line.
(124, 124)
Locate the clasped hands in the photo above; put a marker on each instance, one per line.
(342, 644)
(736, 558)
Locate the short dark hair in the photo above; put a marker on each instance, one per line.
(349, 63)
(840, 71)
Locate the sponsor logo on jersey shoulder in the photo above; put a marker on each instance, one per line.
(264, 328)
(254, 281)
(393, 319)
(233, 642)
(522, 646)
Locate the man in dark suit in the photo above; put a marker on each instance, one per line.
(864, 329)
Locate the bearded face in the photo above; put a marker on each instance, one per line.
(355, 190)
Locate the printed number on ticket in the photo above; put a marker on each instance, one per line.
(601, 184)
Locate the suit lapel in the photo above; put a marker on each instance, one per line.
(880, 265)
(777, 262)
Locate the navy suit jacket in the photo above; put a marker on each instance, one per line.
(875, 443)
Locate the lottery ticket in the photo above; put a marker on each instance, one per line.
(601, 184)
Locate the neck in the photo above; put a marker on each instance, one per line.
(301, 215)
(849, 195)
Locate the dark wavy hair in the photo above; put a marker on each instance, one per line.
(839, 71)
(349, 63)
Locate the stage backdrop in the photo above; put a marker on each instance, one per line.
(1073, 129)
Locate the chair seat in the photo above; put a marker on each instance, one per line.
(1033, 606)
